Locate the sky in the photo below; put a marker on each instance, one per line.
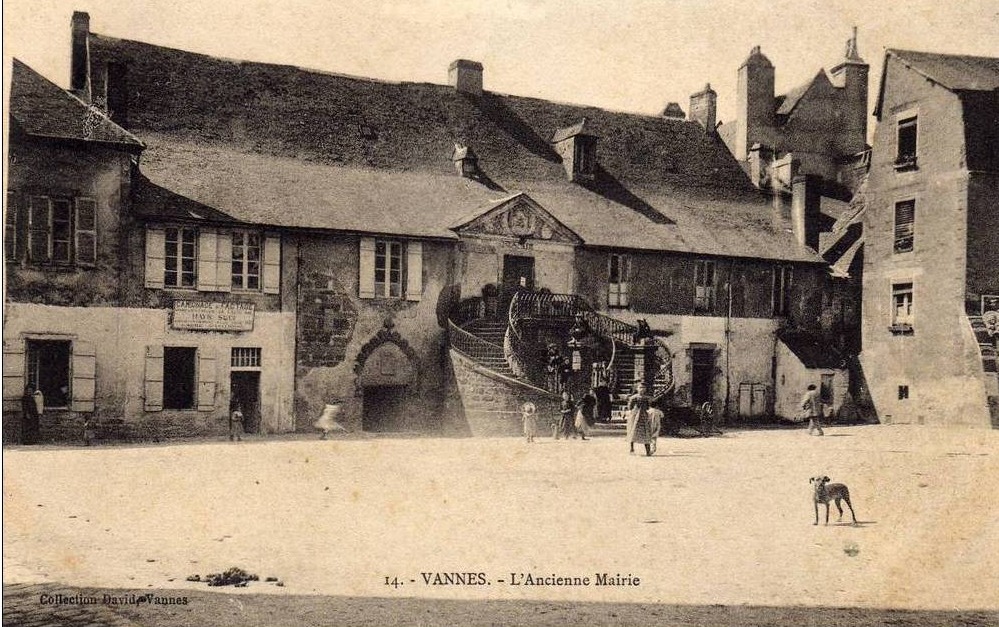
(626, 55)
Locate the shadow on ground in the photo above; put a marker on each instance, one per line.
(34, 604)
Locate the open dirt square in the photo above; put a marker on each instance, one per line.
(724, 520)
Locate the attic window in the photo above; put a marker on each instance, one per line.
(465, 161)
(578, 149)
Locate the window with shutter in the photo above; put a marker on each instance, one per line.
(905, 225)
(38, 229)
(207, 260)
(618, 281)
(86, 231)
(155, 261)
(206, 379)
(414, 271)
(246, 254)
(901, 294)
(272, 264)
(907, 140)
(84, 369)
(180, 257)
(704, 286)
(153, 383)
(13, 369)
(366, 268)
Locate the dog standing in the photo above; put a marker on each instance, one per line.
(825, 492)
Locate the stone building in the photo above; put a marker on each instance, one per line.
(931, 240)
(287, 238)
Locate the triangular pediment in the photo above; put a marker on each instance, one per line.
(519, 217)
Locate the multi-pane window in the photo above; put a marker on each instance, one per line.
(61, 230)
(388, 269)
(901, 296)
(704, 286)
(908, 130)
(905, 225)
(584, 157)
(245, 357)
(781, 294)
(245, 260)
(181, 256)
(617, 284)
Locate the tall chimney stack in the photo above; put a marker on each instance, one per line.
(806, 204)
(79, 79)
(704, 108)
(466, 76)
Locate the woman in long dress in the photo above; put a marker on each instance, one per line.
(327, 422)
(639, 425)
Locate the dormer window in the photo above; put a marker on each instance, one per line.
(578, 149)
(465, 161)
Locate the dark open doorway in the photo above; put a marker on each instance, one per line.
(244, 389)
(518, 273)
(385, 408)
(702, 375)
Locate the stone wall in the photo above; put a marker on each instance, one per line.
(491, 404)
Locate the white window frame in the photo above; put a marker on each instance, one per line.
(242, 275)
(704, 293)
(179, 258)
(618, 292)
(392, 257)
(899, 291)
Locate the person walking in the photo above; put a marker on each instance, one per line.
(811, 405)
(639, 427)
(600, 382)
(529, 413)
(563, 426)
(584, 415)
(32, 406)
(236, 424)
(326, 422)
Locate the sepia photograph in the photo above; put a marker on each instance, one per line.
(500, 312)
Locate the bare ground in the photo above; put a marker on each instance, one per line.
(713, 528)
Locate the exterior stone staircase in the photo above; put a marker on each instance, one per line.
(987, 348)
(498, 369)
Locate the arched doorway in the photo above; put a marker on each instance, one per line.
(386, 376)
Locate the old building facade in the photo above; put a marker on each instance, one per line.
(930, 240)
(280, 239)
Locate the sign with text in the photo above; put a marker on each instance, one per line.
(207, 316)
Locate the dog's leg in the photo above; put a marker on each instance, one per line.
(827, 512)
(840, 508)
(850, 505)
(816, 503)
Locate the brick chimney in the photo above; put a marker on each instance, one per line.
(806, 204)
(79, 77)
(754, 103)
(704, 108)
(466, 76)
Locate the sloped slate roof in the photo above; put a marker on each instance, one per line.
(340, 120)
(283, 191)
(957, 72)
(290, 147)
(41, 108)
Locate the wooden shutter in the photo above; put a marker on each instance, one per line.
(625, 279)
(155, 258)
(206, 379)
(272, 264)
(366, 268)
(39, 216)
(224, 258)
(414, 270)
(86, 231)
(153, 385)
(208, 260)
(84, 376)
(13, 369)
(905, 225)
(10, 238)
